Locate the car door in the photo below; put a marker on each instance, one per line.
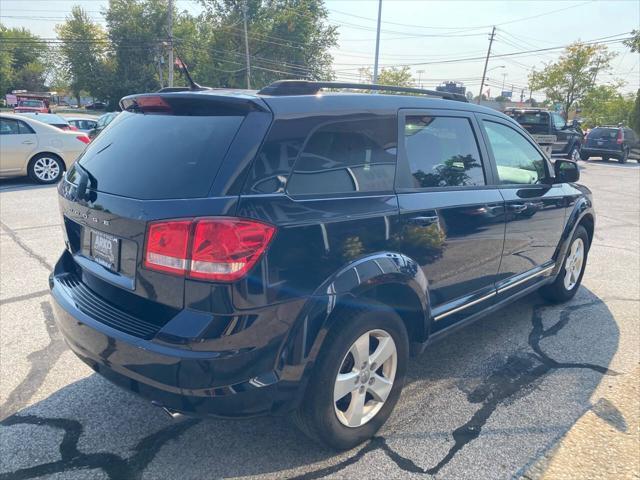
(562, 133)
(451, 217)
(17, 142)
(634, 144)
(535, 208)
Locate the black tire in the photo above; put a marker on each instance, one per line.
(574, 153)
(36, 175)
(316, 416)
(584, 156)
(606, 159)
(557, 292)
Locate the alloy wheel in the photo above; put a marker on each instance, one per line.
(573, 264)
(365, 378)
(46, 169)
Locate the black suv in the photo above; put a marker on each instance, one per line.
(236, 253)
(607, 142)
(550, 130)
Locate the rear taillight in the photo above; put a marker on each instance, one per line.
(218, 249)
(84, 139)
(619, 137)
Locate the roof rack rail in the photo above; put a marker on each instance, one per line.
(306, 87)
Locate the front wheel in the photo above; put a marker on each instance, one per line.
(357, 379)
(569, 278)
(45, 168)
(574, 153)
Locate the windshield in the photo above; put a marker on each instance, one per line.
(31, 103)
(151, 156)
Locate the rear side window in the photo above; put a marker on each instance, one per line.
(9, 126)
(442, 152)
(151, 156)
(517, 161)
(346, 157)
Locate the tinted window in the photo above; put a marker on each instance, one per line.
(558, 121)
(517, 161)
(604, 133)
(442, 152)
(9, 126)
(159, 156)
(530, 118)
(347, 156)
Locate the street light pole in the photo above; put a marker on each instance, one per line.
(375, 65)
(246, 44)
(420, 72)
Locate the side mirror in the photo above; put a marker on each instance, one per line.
(566, 171)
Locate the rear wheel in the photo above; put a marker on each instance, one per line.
(584, 156)
(357, 379)
(569, 278)
(574, 153)
(605, 158)
(45, 168)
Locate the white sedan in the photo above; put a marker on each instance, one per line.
(30, 147)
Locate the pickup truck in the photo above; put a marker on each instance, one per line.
(550, 131)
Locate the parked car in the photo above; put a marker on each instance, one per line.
(286, 251)
(31, 106)
(30, 147)
(96, 106)
(50, 119)
(83, 124)
(621, 143)
(102, 123)
(549, 128)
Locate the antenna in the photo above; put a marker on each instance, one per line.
(183, 68)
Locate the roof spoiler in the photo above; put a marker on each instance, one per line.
(306, 87)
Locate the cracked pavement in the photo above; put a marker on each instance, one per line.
(533, 391)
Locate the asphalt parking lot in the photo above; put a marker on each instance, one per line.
(534, 391)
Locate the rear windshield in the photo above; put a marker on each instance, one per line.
(604, 133)
(151, 156)
(530, 118)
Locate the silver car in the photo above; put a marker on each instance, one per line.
(30, 147)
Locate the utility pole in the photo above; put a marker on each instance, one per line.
(522, 95)
(170, 26)
(420, 72)
(486, 62)
(504, 78)
(375, 65)
(246, 44)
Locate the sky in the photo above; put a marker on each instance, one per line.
(428, 35)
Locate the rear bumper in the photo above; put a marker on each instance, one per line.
(180, 379)
(601, 152)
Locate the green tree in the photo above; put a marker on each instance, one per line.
(287, 39)
(395, 76)
(22, 64)
(137, 32)
(605, 104)
(634, 115)
(634, 42)
(83, 50)
(569, 79)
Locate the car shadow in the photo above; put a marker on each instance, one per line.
(21, 183)
(535, 364)
(631, 163)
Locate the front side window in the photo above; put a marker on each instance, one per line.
(347, 157)
(517, 161)
(442, 152)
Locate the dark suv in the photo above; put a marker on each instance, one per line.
(236, 253)
(607, 142)
(550, 130)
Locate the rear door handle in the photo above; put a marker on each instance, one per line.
(424, 221)
(518, 207)
(28, 142)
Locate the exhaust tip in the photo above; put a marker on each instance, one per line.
(175, 415)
